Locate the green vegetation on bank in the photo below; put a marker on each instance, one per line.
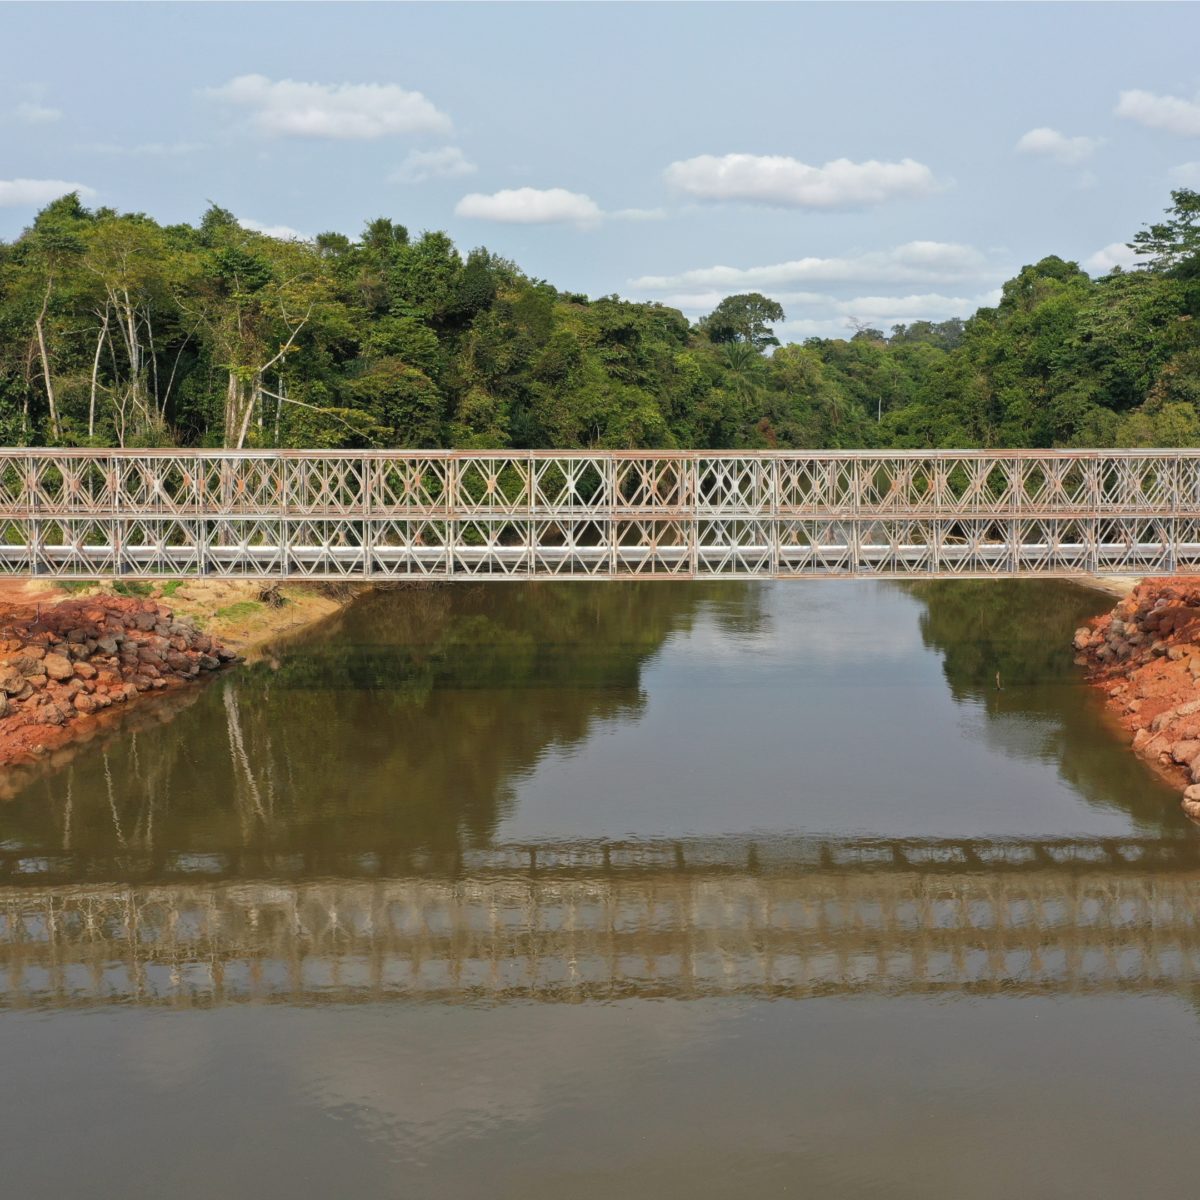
(115, 330)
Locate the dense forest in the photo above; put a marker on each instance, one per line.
(115, 330)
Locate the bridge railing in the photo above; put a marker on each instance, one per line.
(202, 482)
(588, 513)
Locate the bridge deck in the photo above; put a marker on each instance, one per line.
(600, 515)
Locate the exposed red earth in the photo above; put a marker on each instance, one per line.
(1145, 657)
(67, 667)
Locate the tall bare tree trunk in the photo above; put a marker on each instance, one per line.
(95, 375)
(40, 325)
(235, 406)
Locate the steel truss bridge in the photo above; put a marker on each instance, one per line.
(563, 922)
(76, 514)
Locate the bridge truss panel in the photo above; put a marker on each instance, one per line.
(590, 514)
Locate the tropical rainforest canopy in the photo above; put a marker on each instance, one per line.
(115, 330)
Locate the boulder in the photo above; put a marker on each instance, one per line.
(58, 667)
(1184, 751)
(85, 670)
(1191, 801)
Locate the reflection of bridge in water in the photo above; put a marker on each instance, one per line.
(597, 514)
(563, 922)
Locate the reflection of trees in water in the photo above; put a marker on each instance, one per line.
(404, 723)
(1020, 631)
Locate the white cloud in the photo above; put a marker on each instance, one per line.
(284, 233)
(882, 312)
(913, 262)
(928, 306)
(806, 327)
(777, 179)
(1161, 112)
(703, 302)
(422, 165)
(349, 111)
(31, 193)
(531, 206)
(1115, 254)
(37, 114)
(1051, 144)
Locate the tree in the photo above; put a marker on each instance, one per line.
(116, 329)
(743, 318)
(1174, 244)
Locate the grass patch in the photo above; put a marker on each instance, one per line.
(75, 586)
(143, 588)
(132, 587)
(235, 612)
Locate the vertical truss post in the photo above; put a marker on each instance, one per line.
(610, 509)
(689, 500)
(367, 510)
(772, 476)
(453, 530)
(1092, 521)
(33, 539)
(1173, 520)
(529, 491)
(855, 538)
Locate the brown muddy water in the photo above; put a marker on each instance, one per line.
(830, 889)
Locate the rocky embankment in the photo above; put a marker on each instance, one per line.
(1145, 656)
(66, 668)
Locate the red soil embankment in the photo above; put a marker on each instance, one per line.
(1145, 656)
(65, 667)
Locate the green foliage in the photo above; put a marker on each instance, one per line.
(133, 587)
(238, 611)
(745, 318)
(1174, 244)
(115, 330)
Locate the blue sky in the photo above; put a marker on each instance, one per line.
(860, 162)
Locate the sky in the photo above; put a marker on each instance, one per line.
(863, 164)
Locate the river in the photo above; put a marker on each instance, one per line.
(650, 889)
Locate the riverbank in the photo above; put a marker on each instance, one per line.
(74, 663)
(1144, 656)
(64, 665)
